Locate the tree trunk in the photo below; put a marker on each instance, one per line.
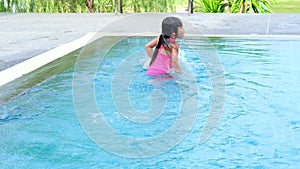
(90, 5)
(226, 6)
(243, 7)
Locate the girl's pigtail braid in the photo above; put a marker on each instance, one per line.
(156, 49)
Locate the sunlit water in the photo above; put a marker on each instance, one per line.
(259, 128)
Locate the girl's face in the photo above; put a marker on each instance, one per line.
(180, 32)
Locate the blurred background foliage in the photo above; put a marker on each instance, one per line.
(100, 6)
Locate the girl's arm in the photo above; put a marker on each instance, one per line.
(149, 46)
(175, 63)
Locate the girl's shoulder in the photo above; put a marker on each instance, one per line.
(174, 44)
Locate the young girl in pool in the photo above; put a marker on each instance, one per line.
(165, 55)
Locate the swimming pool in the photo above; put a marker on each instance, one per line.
(259, 127)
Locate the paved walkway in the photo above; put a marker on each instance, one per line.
(26, 35)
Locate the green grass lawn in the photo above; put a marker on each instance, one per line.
(286, 6)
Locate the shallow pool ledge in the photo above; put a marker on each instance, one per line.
(25, 75)
(17, 79)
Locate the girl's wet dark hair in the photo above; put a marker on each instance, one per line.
(169, 25)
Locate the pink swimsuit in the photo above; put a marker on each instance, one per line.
(161, 65)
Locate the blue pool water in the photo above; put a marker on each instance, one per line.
(259, 128)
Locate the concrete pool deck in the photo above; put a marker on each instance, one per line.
(25, 36)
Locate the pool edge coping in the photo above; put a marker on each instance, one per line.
(35, 62)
